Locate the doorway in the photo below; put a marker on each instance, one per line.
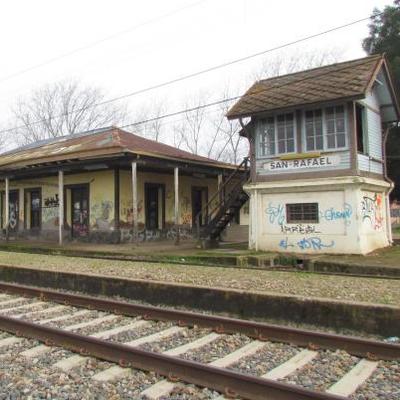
(199, 200)
(80, 211)
(155, 205)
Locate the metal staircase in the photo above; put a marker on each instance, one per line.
(223, 205)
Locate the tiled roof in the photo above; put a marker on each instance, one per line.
(344, 80)
(95, 144)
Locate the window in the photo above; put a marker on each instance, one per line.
(361, 129)
(277, 135)
(335, 127)
(302, 212)
(35, 207)
(325, 129)
(314, 130)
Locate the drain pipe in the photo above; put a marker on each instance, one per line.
(388, 220)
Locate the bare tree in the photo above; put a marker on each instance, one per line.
(63, 108)
(191, 127)
(153, 111)
(287, 63)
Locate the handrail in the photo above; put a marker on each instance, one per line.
(203, 211)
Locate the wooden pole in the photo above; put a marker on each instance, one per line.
(176, 205)
(7, 206)
(60, 206)
(134, 202)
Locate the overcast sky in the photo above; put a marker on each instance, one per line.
(162, 40)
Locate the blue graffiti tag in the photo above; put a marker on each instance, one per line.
(276, 214)
(313, 243)
(331, 214)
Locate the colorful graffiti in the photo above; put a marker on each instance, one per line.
(314, 243)
(332, 214)
(371, 211)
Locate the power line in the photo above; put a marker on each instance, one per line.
(100, 41)
(191, 75)
(230, 99)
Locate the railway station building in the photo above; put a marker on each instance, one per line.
(108, 186)
(318, 181)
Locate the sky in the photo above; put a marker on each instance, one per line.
(154, 41)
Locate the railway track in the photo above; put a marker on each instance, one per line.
(254, 361)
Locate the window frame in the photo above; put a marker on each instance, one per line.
(324, 129)
(302, 221)
(275, 118)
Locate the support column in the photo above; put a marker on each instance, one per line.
(134, 201)
(116, 204)
(7, 206)
(60, 206)
(176, 205)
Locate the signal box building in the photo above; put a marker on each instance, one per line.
(318, 180)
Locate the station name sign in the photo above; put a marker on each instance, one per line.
(303, 163)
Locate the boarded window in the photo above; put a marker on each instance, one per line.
(302, 213)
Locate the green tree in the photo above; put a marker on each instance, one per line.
(384, 37)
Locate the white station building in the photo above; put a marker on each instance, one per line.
(318, 175)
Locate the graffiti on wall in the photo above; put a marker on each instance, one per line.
(314, 243)
(303, 229)
(51, 202)
(101, 213)
(333, 214)
(276, 214)
(371, 211)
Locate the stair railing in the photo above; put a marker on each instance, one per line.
(242, 167)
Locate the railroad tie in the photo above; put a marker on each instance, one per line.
(76, 360)
(45, 311)
(350, 382)
(117, 372)
(298, 361)
(63, 317)
(26, 306)
(42, 348)
(164, 387)
(12, 301)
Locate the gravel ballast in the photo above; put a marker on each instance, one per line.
(378, 291)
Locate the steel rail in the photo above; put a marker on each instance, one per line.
(367, 348)
(223, 380)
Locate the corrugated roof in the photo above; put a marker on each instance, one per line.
(95, 144)
(348, 79)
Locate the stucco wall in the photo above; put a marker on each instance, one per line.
(352, 219)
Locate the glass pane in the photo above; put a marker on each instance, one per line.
(319, 143)
(309, 115)
(330, 112)
(339, 111)
(281, 118)
(290, 132)
(310, 144)
(290, 146)
(281, 133)
(331, 141)
(330, 125)
(340, 125)
(281, 147)
(289, 117)
(318, 113)
(318, 127)
(341, 140)
(309, 130)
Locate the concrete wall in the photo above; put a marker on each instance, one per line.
(352, 217)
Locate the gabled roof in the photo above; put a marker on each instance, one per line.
(94, 144)
(346, 80)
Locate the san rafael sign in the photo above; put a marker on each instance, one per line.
(304, 163)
